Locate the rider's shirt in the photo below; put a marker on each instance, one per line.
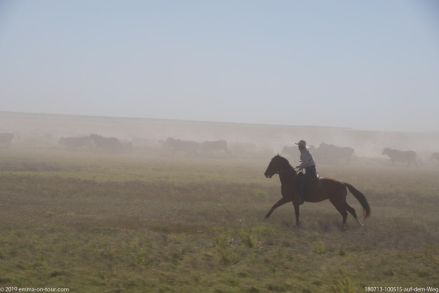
(306, 159)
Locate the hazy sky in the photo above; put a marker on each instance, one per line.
(359, 64)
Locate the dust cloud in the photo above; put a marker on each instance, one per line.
(207, 139)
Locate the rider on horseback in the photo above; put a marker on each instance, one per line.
(307, 163)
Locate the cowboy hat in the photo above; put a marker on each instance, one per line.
(301, 143)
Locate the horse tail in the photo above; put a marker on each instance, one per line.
(361, 198)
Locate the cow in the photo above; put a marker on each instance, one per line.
(217, 146)
(178, 145)
(194, 147)
(110, 144)
(6, 139)
(333, 154)
(82, 142)
(394, 155)
(95, 142)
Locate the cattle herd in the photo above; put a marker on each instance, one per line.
(324, 153)
(95, 142)
(193, 147)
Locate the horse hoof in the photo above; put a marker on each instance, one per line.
(361, 224)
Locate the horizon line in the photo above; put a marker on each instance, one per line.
(214, 122)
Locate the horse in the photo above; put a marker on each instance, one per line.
(325, 188)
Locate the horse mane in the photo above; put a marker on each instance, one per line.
(285, 164)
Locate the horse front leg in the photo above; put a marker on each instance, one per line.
(297, 213)
(276, 205)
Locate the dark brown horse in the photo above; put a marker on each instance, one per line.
(326, 188)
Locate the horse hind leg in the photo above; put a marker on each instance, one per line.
(351, 210)
(341, 208)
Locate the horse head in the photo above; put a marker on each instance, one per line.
(277, 164)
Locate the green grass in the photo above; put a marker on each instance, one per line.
(136, 223)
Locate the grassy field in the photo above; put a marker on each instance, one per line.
(135, 223)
